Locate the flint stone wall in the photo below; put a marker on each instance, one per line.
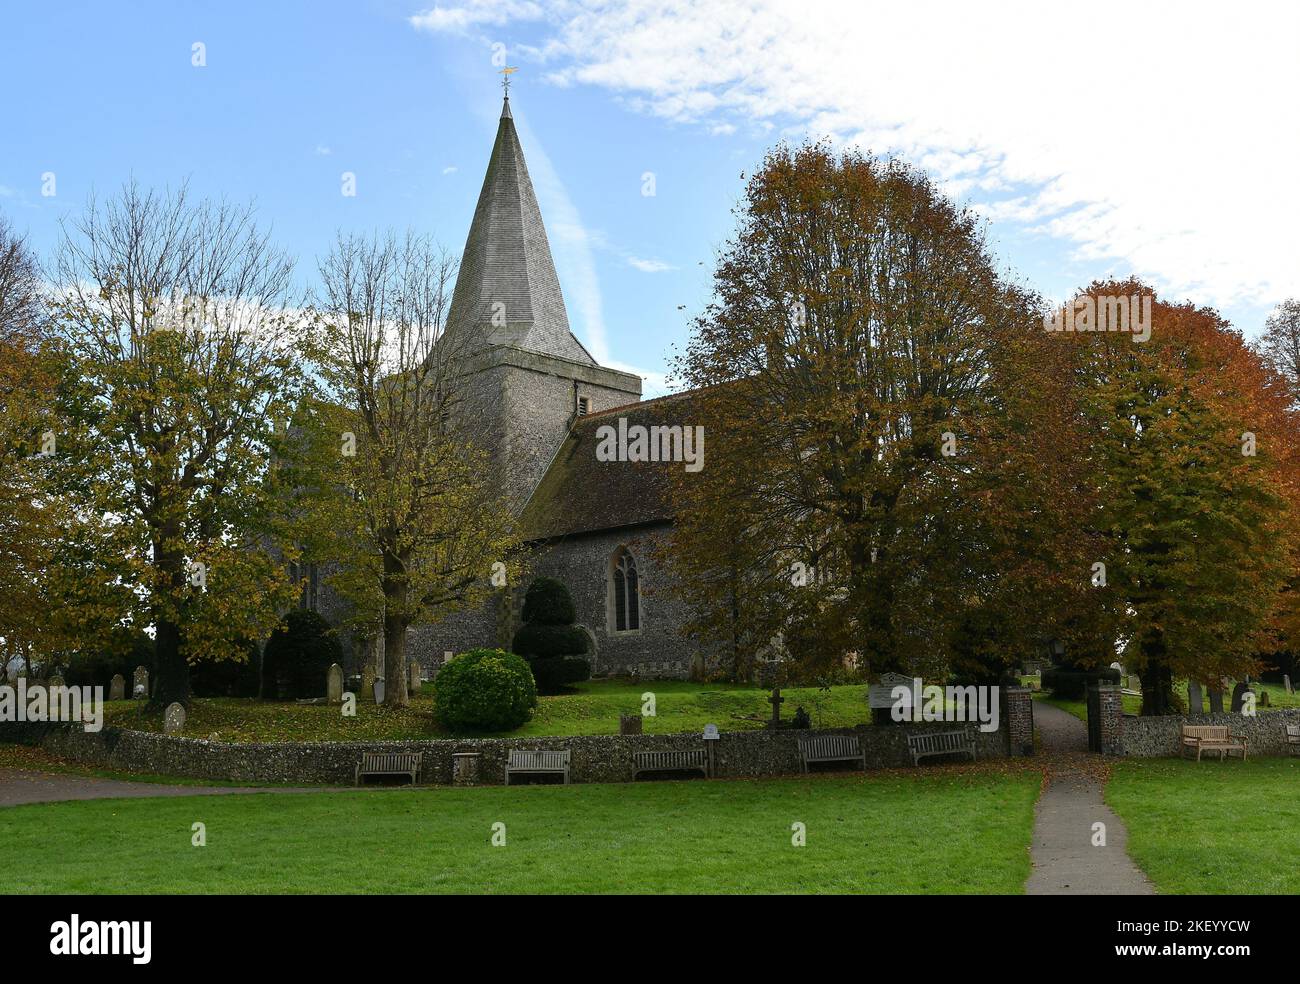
(1156, 737)
(595, 758)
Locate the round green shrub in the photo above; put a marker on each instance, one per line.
(548, 602)
(484, 690)
(298, 655)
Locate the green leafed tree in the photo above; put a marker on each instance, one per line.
(182, 365)
(1193, 453)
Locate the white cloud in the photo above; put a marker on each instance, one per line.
(323, 151)
(649, 266)
(1159, 136)
(458, 19)
(450, 169)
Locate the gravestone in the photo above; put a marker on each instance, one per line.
(629, 724)
(1238, 696)
(174, 719)
(1216, 701)
(1286, 679)
(368, 678)
(413, 672)
(1194, 698)
(776, 700)
(334, 684)
(1263, 698)
(117, 687)
(140, 683)
(711, 732)
(379, 691)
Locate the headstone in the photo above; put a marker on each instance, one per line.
(711, 732)
(1286, 679)
(1238, 696)
(140, 683)
(379, 691)
(629, 724)
(1194, 706)
(1216, 701)
(368, 678)
(1263, 698)
(413, 671)
(174, 719)
(776, 700)
(117, 687)
(334, 684)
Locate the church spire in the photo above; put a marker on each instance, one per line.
(507, 292)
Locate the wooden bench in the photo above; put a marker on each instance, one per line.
(1293, 739)
(831, 748)
(1212, 738)
(538, 763)
(941, 743)
(389, 764)
(685, 760)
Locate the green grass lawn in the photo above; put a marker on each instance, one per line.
(946, 832)
(1211, 827)
(592, 710)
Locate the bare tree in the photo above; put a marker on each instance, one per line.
(1280, 344)
(20, 283)
(422, 520)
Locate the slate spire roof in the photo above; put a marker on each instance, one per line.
(507, 292)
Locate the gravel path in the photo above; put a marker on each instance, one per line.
(19, 786)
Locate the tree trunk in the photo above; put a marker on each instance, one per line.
(396, 621)
(171, 673)
(1157, 679)
(171, 670)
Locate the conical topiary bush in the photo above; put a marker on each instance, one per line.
(555, 648)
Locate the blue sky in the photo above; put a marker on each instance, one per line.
(1131, 161)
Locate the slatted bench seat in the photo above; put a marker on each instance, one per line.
(831, 748)
(523, 762)
(683, 760)
(1212, 738)
(389, 764)
(1293, 739)
(941, 743)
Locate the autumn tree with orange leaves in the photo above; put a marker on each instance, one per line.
(890, 469)
(1193, 455)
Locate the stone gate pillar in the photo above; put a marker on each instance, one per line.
(1018, 709)
(1105, 719)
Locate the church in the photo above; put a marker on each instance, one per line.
(591, 522)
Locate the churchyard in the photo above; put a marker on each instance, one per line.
(592, 709)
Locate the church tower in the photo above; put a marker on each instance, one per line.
(530, 377)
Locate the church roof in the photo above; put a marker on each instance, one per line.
(580, 494)
(507, 292)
